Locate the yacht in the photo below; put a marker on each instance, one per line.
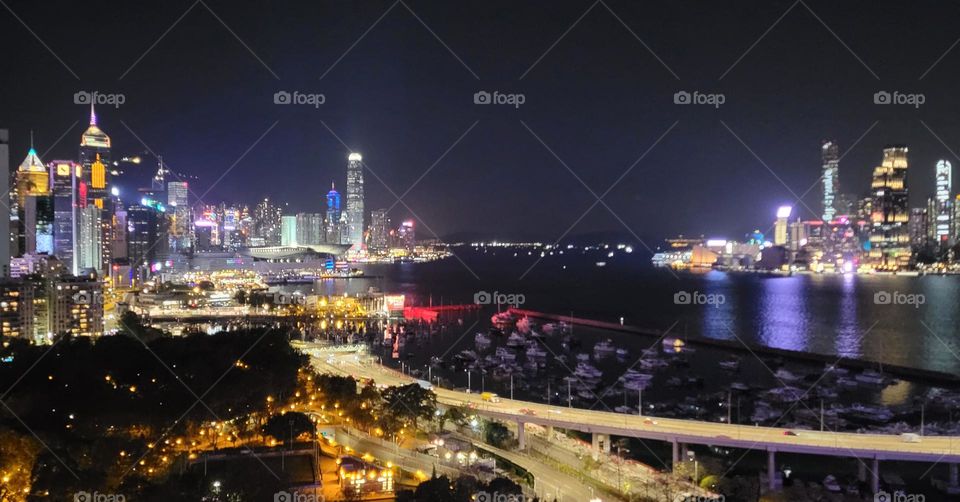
(587, 371)
(604, 348)
(535, 351)
(505, 355)
(730, 364)
(870, 377)
(515, 340)
(481, 340)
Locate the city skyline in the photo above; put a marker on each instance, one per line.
(599, 146)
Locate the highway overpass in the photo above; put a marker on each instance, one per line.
(869, 449)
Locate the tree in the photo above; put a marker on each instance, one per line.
(496, 434)
(18, 454)
(240, 297)
(289, 426)
(454, 414)
(409, 403)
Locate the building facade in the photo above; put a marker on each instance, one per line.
(889, 245)
(354, 210)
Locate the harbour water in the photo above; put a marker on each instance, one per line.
(825, 314)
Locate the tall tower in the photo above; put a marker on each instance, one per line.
(64, 178)
(354, 199)
(332, 228)
(889, 216)
(830, 154)
(942, 204)
(780, 236)
(95, 157)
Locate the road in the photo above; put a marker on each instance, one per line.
(866, 446)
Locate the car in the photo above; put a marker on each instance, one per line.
(789, 433)
(910, 437)
(527, 411)
(722, 436)
(649, 421)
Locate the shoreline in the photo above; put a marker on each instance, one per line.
(928, 376)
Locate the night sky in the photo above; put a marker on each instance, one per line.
(199, 80)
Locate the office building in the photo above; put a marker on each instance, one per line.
(406, 235)
(266, 224)
(918, 227)
(178, 206)
(354, 209)
(16, 308)
(5, 207)
(75, 306)
(942, 215)
(89, 244)
(309, 229)
(288, 231)
(889, 244)
(379, 230)
(830, 156)
(64, 182)
(333, 217)
(94, 158)
(780, 233)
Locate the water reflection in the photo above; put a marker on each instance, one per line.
(848, 331)
(783, 313)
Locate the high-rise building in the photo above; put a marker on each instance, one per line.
(32, 195)
(5, 207)
(89, 243)
(379, 230)
(266, 224)
(95, 157)
(406, 236)
(16, 308)
(179, 207)
(309, 229)
(889, 235)
(332, 227)
(918, 228)
(943, 211)
(142, 236)
(780, 228)
(65, 176)
(76, 306)
(288, 231)
(830, 155)
(354, 208)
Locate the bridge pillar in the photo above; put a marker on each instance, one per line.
(861, 471)
(675, 446)
(954, 478)
(600, 444)
(684, 452)
(549, 432)
(772, 470)
(521, 435)
(875, 477)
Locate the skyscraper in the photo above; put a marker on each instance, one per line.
(379, 230)
(266, 224)
(5, 207)
(95, 157)
(942, 204)
(89, 243)
(332, 228)
(889, 234)
(64, 180)
(780, 227)
(309, 229)
(178, 202)
(32, 182)
(354, 208)
(830, 154)
(288, 231)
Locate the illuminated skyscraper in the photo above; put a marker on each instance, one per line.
(179, 208)
(266, 224)
(89, 244)
(95, 159)
(780, 227)
(830, 154)
(309, 229)
(65, 179)
(288, 231)
(32, 194)
(942, 215)
(354, 210)
(406, 235)
(379, 230)
(332, 227)
(889, 233)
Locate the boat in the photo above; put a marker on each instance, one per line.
(481, 340)
(516, 340)
(466, 355)
(623, 353)
(604, 348)
(831, 484)
(730, 365)
(587, 371)
(870, 377)
(739, 386)
(584, 357)
(561, 327)
(786, 375)
(652, 364)
(634, 380)
(630, 410)
(535, 351)
(505, 355)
